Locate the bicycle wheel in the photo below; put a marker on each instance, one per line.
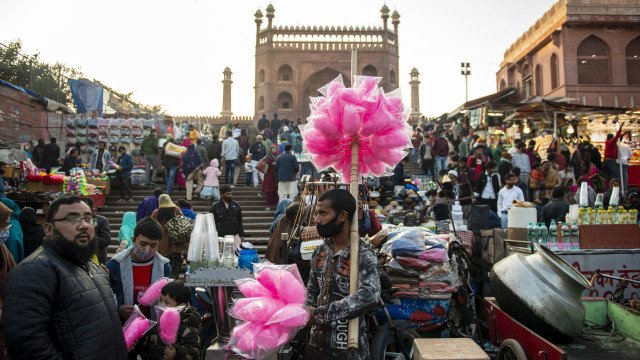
(383, 345)
(511, 350)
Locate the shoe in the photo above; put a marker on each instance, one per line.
(153, 184)
(130, 200)
(121, 200)
(268, 208)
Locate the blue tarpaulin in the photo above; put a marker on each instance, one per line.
(87, 95)
(24, 90)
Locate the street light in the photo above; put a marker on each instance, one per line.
(465, 70)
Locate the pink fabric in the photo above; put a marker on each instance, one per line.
(212, 173)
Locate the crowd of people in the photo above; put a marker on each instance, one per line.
(500, 174)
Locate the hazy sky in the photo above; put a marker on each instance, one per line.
(173, 52)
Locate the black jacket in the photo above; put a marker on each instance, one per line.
(556, 209)
(39, 154)
(187, 343)
(51, 155)
(228, 220)
(214, 150)
(103, 237)
(55, 308)
(287, 167)
(482, 182)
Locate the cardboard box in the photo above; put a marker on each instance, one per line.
(104, 184)
(447, 349)
(622, 236)
(52, 188)
(35, 186)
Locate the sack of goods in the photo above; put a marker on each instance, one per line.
(174, 150)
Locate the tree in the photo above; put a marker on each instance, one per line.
(29, 72)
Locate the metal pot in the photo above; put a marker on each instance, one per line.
(542, 292)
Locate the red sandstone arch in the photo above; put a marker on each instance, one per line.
(316, 81)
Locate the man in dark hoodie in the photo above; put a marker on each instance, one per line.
(148, 205)
(214, 149)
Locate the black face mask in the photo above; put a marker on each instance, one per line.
(330, 229)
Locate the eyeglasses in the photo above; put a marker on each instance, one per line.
(76, 219)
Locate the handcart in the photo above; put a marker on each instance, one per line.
(612, 331)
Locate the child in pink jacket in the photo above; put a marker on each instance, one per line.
(211, 188)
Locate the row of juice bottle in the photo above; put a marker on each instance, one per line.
(558, 236)
(612, 215)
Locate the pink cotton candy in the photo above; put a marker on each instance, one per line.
(351, 119)
(248, 342)
(152, 294)
(272, 337)
(290, 316)
(290, 289)
(252, 288)
(258, 310)
(135, 330)
(169, 324)
(270, 279)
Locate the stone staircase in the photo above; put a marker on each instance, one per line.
(256, 218)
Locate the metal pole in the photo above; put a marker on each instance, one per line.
(466, 88)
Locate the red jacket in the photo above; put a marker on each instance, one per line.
(611, 147)
(440, 147)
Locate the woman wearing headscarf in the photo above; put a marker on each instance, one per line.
(270, 183)
(243, 141)
(125, 235)
(280, 211)
(14, 241)
(6, 261)
(32, 232)
(180, 177)
(283, 224)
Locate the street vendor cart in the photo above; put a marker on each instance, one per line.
(595, 341)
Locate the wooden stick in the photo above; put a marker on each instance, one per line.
(354, 324)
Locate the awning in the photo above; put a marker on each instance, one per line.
(492, 100)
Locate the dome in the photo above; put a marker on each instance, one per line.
(385, 9)
(270, 9)
(258, 14)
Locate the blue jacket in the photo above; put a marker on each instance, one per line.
(146, 207)
(287, 167)
(126, 164)
(190, 160)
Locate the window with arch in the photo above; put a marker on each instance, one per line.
(261, 103)
(633, 62)
(285, 73)
(593, 61)
(370, 70)
(526, 81)
(261, 76)
(538, 80)
(392, 76)
(553, 66)
(503, 84)
(285, 100)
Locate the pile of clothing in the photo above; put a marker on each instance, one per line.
(417, 263)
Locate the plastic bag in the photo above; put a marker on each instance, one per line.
(257, 310)
(283, 281)
(290, 316)
(136, 326)
(168, 323)
(413, 263)
(252, 288)
(153, 292)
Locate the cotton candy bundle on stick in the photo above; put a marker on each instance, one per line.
(363, 114)
(152, 294)
(169, 322)
(135, 327)
(272, 312)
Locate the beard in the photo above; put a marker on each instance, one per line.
(73, 251)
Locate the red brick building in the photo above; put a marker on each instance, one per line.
(292, 62)
(588, 50)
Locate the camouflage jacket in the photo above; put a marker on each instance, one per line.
(328, 292)
(187, 345)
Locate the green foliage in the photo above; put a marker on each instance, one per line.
(29, 72)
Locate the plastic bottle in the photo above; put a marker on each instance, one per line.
(566, 237)
(552, 241)
(575, 237)
(531, 233)
(544, 235)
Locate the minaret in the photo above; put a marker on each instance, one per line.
(395, 20)
(270, 13)
(226, 94)
(385, 16)
(258, 16)
(415, 93)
